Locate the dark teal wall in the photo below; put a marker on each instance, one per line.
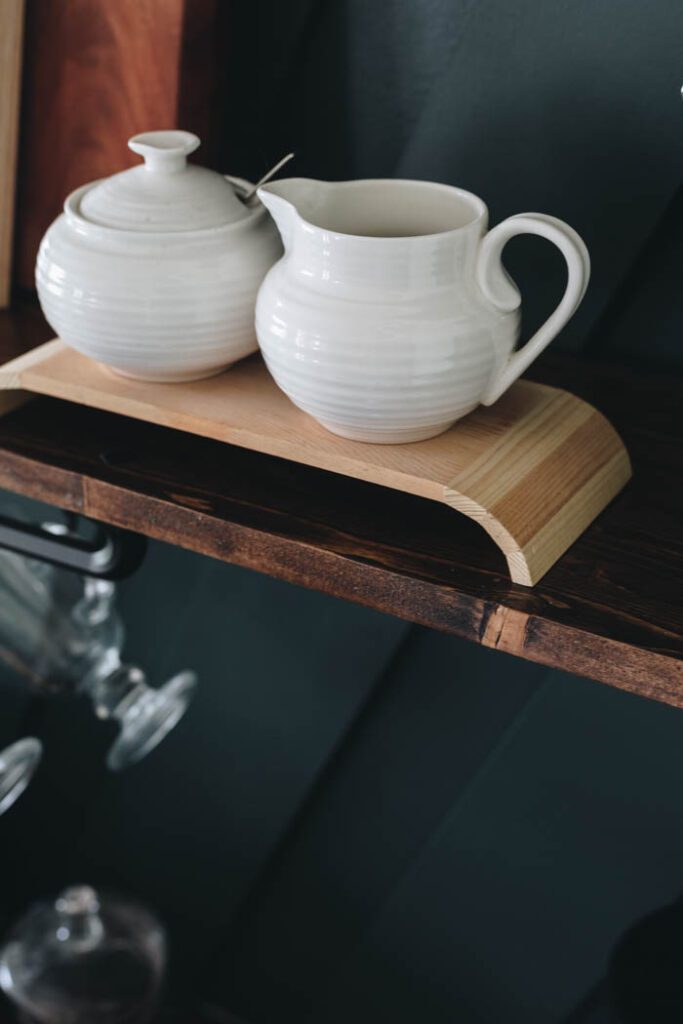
(361, 820)
(570, 107)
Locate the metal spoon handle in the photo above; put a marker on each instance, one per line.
(266, 177)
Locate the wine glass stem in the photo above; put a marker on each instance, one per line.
(114, 687)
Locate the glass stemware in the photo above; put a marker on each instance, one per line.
(61, 632)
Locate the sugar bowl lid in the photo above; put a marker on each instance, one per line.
(166, 193)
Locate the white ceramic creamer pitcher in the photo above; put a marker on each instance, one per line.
(390, 315)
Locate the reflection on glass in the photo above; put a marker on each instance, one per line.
(17, 765)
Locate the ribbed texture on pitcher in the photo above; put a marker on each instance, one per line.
(378, 371)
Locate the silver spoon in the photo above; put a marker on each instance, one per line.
(266, 177)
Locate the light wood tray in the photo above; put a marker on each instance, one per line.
(534, 470)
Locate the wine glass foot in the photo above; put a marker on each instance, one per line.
(149, 718)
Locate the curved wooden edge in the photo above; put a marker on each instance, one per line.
(535, 469)
(539, 489)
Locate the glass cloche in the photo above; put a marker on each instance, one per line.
(85, 958)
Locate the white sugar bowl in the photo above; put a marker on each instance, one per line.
(155, 270)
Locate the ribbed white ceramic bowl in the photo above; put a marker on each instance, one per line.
(161, 307)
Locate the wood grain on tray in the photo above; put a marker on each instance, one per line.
(534, 470)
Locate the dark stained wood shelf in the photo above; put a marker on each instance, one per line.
(611, 609)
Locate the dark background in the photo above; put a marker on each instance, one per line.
(360, 820)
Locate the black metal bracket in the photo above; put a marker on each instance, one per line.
(112, 554)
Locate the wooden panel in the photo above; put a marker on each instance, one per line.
(533, 470)
(11, 34)
(97, 73)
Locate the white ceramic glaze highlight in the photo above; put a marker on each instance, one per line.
(155, 270)
(390, 315)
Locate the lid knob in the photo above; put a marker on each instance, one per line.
(78, 920)
(163, 194)
(164, 152)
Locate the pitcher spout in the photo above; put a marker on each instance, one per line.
(281, 210)
(291, 200)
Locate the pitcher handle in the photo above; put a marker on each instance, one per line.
(502, 293)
